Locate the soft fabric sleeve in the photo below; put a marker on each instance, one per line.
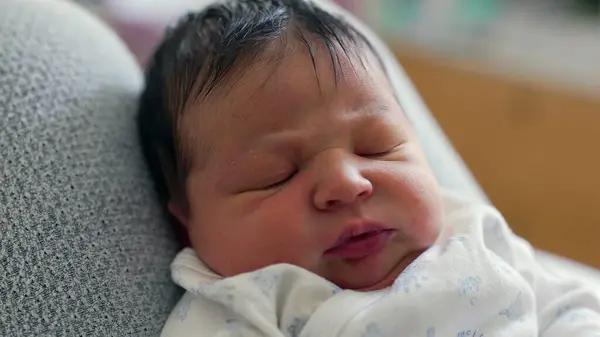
(565, 306)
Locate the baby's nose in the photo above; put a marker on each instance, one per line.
(340, 183)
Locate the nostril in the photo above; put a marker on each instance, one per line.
(364, 193)
(331, 203)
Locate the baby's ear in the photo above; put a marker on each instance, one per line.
(178, 212)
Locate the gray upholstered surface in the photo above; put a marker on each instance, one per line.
(83, 247)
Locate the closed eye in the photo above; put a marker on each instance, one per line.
(280, 182)
(380, 153)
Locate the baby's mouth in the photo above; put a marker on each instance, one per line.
(360, 243)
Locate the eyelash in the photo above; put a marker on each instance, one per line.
(289, 177)
(281, 182)
(380, 154)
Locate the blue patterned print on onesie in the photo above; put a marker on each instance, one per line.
(469, 287)
(218, 291)
(571, 315)
(234, 328)
(470, 333)
(296, 327)
(562, 311)
(265, 280)
(515, 311)
(183, 307)
(411, 278)
(372, 330)
(452, 241)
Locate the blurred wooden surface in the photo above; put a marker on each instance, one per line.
(535, 150)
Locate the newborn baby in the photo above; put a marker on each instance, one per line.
(277, 141)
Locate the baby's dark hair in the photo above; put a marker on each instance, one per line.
(200, 54)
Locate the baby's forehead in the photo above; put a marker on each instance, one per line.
(295, 73)
(280, 87)
(295, 49)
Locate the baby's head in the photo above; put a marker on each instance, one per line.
(274, 136)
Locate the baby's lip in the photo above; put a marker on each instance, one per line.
(357, 229)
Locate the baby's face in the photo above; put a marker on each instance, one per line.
(296, 168)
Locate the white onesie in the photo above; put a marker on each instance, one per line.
(478, 280)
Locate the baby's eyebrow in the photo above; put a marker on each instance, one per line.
(287, 144)
(380, 108)
(392, 109)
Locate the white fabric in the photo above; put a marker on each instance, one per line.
(479, 279)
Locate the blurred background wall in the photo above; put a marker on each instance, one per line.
(514, 83)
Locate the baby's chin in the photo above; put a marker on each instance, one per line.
(387, 280)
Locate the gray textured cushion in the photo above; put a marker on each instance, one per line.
(83, 247)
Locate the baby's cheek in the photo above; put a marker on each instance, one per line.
(241, 252)
(424, 204)
(288, 224)
(292, 232)
(273, 232)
